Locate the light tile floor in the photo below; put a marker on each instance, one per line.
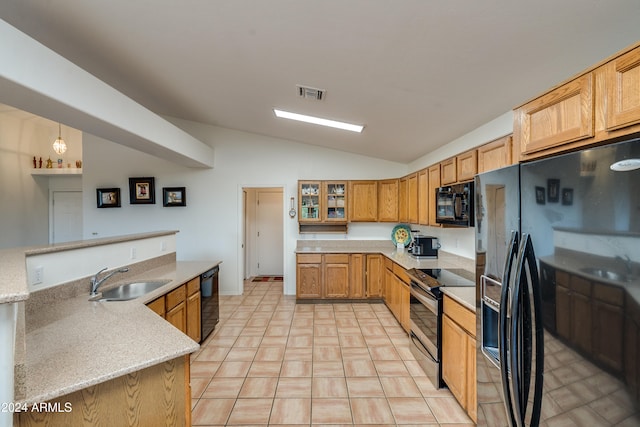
(274, 362)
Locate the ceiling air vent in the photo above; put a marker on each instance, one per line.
(310, 93)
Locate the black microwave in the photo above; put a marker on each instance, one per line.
(454, 205)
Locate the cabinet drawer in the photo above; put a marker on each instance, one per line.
(401, 273)
(193, 286)
(388, 264)
(175, 297)
(336, 258)
(463, 317)
(609, 294)
(309, 258)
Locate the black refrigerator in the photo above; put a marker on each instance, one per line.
(558, 301)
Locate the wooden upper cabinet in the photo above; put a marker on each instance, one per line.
(623, 90)
(563, 115)
(448, 173)
(467, 165)
(495, 154)
(434, 183)
(423, 197)
(403, 201)
(412, 198)
(363, 201)
(388, 200)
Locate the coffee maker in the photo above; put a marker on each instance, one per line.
(425, 247)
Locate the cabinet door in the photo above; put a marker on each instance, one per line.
(403, 306)
(472, 393)
(309, 199)
(403, 204)
(623, 90)
(356, 280)
(563, 115)
(177, 316)
(467, 165)
(448, 172)
(193, 316)
(454, 359)
(423, 197)
(581, 321)
(412, 198)
(434, 184)
(374, 276)
(388, 200)
(608, 334)
(336, 280)
(157, 306)
(495, 155)
(363, 201)
(563, 312)
(309, 280)
(335, 201)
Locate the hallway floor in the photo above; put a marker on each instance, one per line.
(274, 362)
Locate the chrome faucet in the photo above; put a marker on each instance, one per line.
(627, 263)
(95, 282)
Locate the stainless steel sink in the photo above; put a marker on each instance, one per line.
(606, 274)
(131, 290)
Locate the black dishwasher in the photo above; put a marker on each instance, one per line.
(210, 310)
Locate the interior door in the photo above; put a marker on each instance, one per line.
(66, 217)
(269, 217)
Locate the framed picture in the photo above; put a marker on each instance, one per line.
(142, 191)
(553, 190)
(540, 195)
(108, 197)
(174, 196)
(567, 196)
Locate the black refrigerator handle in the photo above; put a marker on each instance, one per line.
(516, 362)
(534, 297)
(503, 330)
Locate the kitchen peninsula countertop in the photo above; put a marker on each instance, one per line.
(76, 343)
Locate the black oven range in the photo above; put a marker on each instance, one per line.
(426, 315)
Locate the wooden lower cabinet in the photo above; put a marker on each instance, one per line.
(156, 396)
(309, 276)
(182, 308)
(354, 276)
(336, 276)
(397, 295)
(374, 273)
(459, 354)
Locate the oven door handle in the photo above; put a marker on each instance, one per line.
(427, 300)
(422, 347)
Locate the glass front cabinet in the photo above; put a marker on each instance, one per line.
(322, 201)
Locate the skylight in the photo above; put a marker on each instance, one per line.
(318, 121)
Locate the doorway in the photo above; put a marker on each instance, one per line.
(66, 216)
(263, 226)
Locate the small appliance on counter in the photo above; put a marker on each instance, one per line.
(425, 247)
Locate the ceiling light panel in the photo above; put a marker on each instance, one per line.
(318, 121)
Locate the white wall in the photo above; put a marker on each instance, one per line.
(211, 224)
(24, 207)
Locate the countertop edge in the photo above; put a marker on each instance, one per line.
(44, 379)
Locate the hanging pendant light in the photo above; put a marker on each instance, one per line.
(58, 145)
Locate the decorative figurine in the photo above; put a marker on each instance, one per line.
(40, 163)
(34, 162)
(49, 163)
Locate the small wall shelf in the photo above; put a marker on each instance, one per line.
(57, 172)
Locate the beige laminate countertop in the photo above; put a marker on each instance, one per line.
(465, 295)
(77, 343)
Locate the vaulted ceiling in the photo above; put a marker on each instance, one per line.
(417, 73)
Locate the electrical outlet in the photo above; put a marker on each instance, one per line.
(134, 253)
(163, 246)
(38, 275)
